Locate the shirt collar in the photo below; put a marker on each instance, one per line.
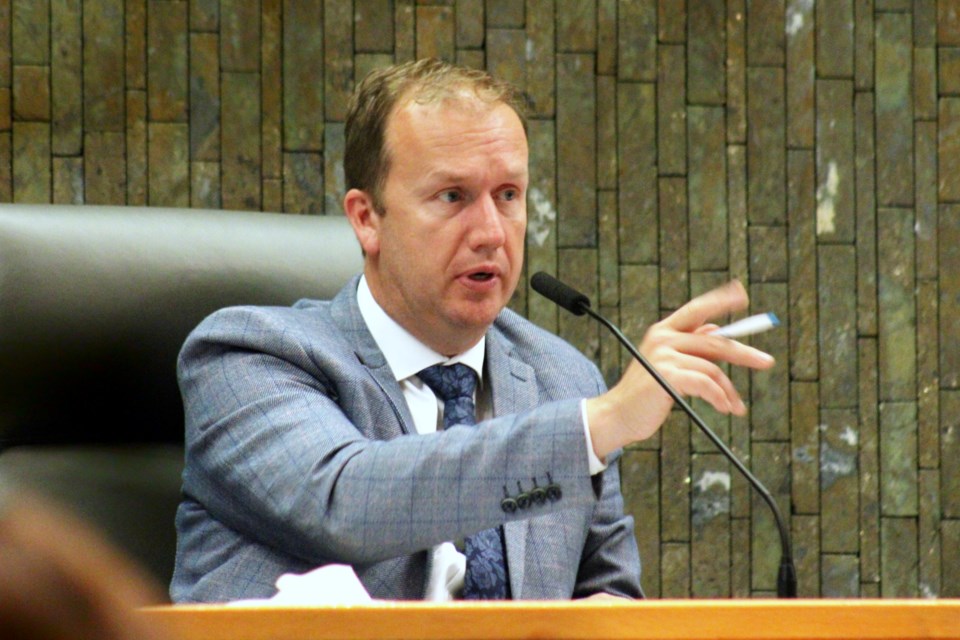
(404, 353)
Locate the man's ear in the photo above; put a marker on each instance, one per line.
(363, 217)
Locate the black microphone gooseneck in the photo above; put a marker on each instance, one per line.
(579, 304)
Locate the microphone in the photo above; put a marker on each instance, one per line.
(579, 304)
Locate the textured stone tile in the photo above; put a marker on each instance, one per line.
(863, 44)
(839, 576)
(31, 162)
(607, 43)
(241, 141)
(404, 29)
(869, 462)
(672, 111)
(542, 216)
(611, 351)
(637, 41)
(899, 558)
(541, 58)
(740, 569)
(505, 14)
(66, 78)
(6, 66)
(802, 261)
(271, 90)
(897, 304)
(928, 378)
(167, 61)
(31, 93)
(105, 169)
(806, 554)
(950, 561)
(641, 495)
(272, 194)
(894, 110)
(636, 118)
(898, 458)
(950, 454)
(948, 64)
(68, 180)
(606, 132)
(770, 465)
(576, 26)
(707, 189)
(736, 71)
(737, 211)
(103, 65)
(675, 570)
(373, 25)
(700, 283)
(805, 447)
(672, 21)
(609, 263)
(924, 83)
(768, 254)
(136, 147)
(302, 94)
(6, 166)
(926, 200)
(435, 32)
(770, 389)
(578, 268)
(800, 45)
(948, 22)
(706, 52)
(365, 63)
(674, 243)
(836, 165)
(766, 152)
(866, 215)
(30, 31)
(505, 56)
(576, 151)
(765, 33)
(710, 526)
(469, 18)
(204, 97)
(168, 162)
(675, 483)
(303, 183)
(638, 299)
(839, 483)
(204, 15)
(135, 45)
(838, 326)
(239, 30)
(337, 59)
(334, 182)
(472, 59)
(6, 109)
(835, 29)
(205, 185)
(948, 145)
(928, 538)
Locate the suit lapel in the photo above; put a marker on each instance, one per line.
(513, 388)
(346, 313)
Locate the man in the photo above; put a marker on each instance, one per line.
(321, 434)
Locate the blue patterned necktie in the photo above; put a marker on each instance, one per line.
(486, 577)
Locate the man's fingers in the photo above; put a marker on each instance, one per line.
(715, 303)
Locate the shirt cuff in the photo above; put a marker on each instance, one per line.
(596, 464)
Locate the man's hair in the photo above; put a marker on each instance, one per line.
(366, 159)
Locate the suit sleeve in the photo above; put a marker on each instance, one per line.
(272, 454)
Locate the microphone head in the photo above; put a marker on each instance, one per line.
(560, 293)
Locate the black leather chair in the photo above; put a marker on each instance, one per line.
(95, 303)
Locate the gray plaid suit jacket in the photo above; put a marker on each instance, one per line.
(300, 451)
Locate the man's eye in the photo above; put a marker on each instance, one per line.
(451, 196)
(510, 194)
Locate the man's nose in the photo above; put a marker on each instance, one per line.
(486, 224)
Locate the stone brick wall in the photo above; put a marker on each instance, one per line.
(811, 149)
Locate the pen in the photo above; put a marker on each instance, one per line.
(748, 326)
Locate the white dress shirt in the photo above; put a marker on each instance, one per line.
(407, 356)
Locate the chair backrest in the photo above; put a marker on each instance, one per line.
(95, 303)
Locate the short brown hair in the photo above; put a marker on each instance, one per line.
(366, 161)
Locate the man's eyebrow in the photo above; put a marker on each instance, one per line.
(454, 177)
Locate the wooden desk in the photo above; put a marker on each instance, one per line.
(655, 619)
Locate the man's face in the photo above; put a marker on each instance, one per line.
(445, 256)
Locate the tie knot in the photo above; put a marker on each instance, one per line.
(450, 382)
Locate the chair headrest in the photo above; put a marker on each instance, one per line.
(95, 303)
